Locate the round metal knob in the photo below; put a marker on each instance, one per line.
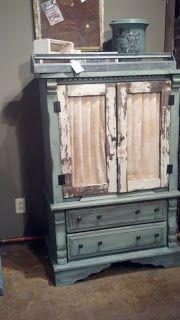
(100, 243)
(80, 246)
(138, 237)
(137, 211)
(156, 209)
(79, 219)
(99, 216)
(156, 235)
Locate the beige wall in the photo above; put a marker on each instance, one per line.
(21, 163)
(153, 11)
(20, 135)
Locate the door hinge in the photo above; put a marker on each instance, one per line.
(61, 179)
(171, 100)
(169, 168)
(57, 107)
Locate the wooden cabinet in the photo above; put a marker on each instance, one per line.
(110, 154)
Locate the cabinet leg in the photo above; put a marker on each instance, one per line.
(68, 277)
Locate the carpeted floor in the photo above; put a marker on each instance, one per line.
(123, 292)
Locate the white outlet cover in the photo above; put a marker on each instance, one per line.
(20, 205)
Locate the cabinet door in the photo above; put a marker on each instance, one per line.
(88, 138)
(143, 135)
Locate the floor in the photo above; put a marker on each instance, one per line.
(123, 292)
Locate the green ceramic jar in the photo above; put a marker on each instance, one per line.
(129, 35)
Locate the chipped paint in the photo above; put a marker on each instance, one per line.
(165, 133)
(65, 147)
(122, 137)
(111, 137)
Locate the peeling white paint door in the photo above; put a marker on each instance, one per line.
(143, 135)
(88, 138)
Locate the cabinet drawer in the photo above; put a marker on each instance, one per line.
(115, 215)
(115, 240)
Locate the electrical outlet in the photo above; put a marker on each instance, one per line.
(20, 205)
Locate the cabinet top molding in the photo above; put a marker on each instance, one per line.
(104, 64)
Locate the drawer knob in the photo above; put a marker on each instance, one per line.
(138, 237)
(156, 210)
(137, 211)
(99, 216)
(156, 235)
(80, 246)
(100, 243)
(79, 219)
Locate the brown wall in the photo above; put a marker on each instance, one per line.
(21, 166)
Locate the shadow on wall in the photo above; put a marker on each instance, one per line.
(24, 116)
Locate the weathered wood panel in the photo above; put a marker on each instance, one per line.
(165, 133)
(88, 137)
(87, 130)
(122, 142)
(65, 146)
(143, 137)
(86, 90)
(111, 139)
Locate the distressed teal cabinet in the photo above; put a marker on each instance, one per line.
(110, 155)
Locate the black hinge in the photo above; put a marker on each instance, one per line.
(61, 179)
(171, 100)
(169, 168)
(57, 107)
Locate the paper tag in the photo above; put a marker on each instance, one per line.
(76, 66)
(83, 0)
(52, 12)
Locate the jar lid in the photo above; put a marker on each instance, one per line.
(130, 21)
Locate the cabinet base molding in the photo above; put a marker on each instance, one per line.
(166, 261)
(68, 277)
(73, 271)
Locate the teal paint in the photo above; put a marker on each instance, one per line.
(119, 220)
(129, 35)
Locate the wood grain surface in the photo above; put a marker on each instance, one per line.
(143, 136)
(87, 127)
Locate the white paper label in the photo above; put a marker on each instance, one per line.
(76, 66)
(52, 12)
(83, 0)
